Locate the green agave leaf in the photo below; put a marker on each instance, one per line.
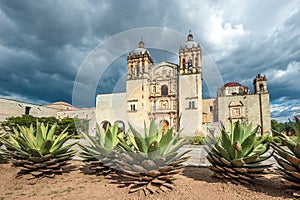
(287, 141)
(145, 130)
(64, 149)
(261, 140)
(28, 137)
(100, 135)
(89, 139)
(39, 135)
(141, 143)
(153, 129)
(176, 146)
(51, 132)
(263, 158)
(69, 153)
(45, 147)
(91, 150)
(237, 132)
(247, 131)
(45, 131)
(178, 156)
(238, 162)
(151, 139)
(108, 139)
(248, 144)
(153, 150)
(14, 141)
(139, 140)
(59, 143)
(232, 151)
(86, 156)
(34, 152)
(226, 141)
(132, 141)
(23, 143)
(16, 132)
(222, 151)
(166, 139)
(125, 146)
(260, 149)
(250, 159)
(154, 146)
(60, 138)
(297, 150)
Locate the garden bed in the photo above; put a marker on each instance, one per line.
(195, 183)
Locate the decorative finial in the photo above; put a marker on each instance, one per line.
(141, 43)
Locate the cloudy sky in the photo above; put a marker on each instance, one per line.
(43, 43)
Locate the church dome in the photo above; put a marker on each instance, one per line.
(232, 84)
(141, 49)
(190, 42)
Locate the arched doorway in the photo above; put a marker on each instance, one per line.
(121, 126)
(165, 124)
(105, 124)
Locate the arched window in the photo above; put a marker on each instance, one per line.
(154, 89)
(137, 71)
(190, 65)
(105, 124)
(261, 87)
(184, 63)
(121, 126)
(164, 90)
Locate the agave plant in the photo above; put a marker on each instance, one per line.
(238, 155)
(2, 155)
(289, 159)
(149, 165)
(99, 154)
(38, 151)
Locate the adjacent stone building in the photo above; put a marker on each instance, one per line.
(171, 94)
(13, 108)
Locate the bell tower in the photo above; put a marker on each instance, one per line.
(190, 87)
(190, 57)
(139, 65)
(260, 84)
(139, 62)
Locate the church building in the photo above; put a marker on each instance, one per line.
(171, 94)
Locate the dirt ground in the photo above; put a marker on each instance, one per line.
(194, 183)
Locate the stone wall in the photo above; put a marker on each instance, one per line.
(12, 108)
(111, 108)
(254, 108)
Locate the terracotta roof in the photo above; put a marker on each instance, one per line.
(232, 84)
(61, 103)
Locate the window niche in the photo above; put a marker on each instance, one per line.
(164, 90)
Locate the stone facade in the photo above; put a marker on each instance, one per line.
(171, 94)
(12, 108)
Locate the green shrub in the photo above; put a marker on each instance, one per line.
(195, 140)
(198, 140)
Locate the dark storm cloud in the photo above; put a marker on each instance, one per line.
(43, 43)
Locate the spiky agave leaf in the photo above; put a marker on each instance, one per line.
(99, 152)
(289, 158)
(38, 151)
(238, 155)
(151, 160)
